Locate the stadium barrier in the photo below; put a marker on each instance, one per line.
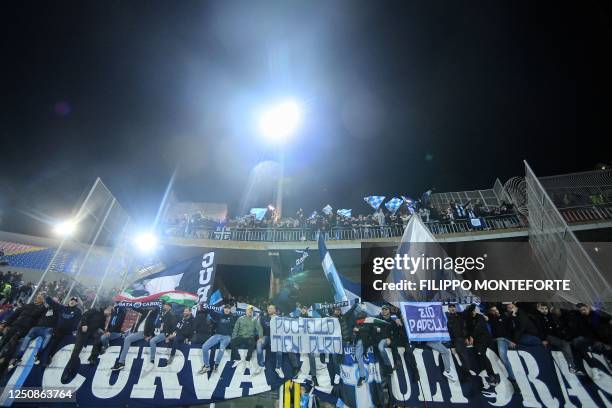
(498, 222)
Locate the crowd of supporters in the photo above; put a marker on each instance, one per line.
(14, 291)
(189, 225)
(500, 327)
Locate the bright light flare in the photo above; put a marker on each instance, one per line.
(65, 228)
(146, 242)
(280, 121)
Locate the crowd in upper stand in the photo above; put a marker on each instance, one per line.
(455, 211)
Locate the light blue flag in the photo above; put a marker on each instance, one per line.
(327, 209)
(259, 213)
(374, 201)
(215, 298)
(393, 204)
(345, 212)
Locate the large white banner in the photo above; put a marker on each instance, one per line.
(306, 335)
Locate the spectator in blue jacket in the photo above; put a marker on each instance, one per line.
(68, 318)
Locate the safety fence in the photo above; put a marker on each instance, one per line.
(361, 232)
(587, 213)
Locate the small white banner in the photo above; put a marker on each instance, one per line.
(306, 335)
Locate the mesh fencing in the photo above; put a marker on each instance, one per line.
(99, 247)
(558, 251)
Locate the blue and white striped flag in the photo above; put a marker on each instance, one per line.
(345, 212)
(374, 201)
(313, 215)
(393, 204)
(327, 209)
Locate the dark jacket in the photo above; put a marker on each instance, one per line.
(26, 316)
(67, 317)
(201, 326)
(186, 327)
(547, 325)
(168, 323)
(265, 320)
(456, 326)
(522, 324)
(94, 319)
(223, 324)
(366, 332)
(501, 326)
(346, 327)
(146, 322)
(477, 329)
(387, 331)
(595, 326)
(48, 319)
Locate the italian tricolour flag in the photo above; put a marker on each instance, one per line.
(172, 296)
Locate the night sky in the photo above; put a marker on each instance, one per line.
(399, 97)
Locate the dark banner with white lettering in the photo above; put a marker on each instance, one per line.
(187, 283)
(543, 378)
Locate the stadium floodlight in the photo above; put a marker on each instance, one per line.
(65, 228)
(146, 242)
(280, 121)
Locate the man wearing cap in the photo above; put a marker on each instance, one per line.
(243, 335)
(168, 326)
(223, 328)
(68, 318)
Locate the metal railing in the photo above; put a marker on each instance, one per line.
(587, 213)
(362, 232)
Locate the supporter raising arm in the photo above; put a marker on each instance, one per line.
(68, 318)
(43, 328)
(16, 326)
